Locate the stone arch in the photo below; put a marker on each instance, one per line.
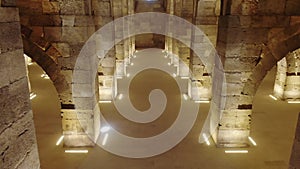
(46, 56)
(278, 47)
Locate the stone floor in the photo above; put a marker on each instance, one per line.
(273, 127)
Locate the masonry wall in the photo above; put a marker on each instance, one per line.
(295, 157)
(18, 148)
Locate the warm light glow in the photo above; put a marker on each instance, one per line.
(236, 151)
(202, 101)
(128, 75)
(59, 140)
(252, 141)
(206, 139)
(105, 129)
(185, 96)
(76, 151)
(294, 101)
(273, 97)
(131, 63)
(120, 97)
(45, 76)
(184, 77)
(169, 63)
(32, 96)
(134, 56)
(174, 75)
(105, 139)
(105, 101)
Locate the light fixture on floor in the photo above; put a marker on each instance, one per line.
(185, 96)
(206, 139)
(120, 97)
(105, 101)
(236, 151)
(59, 140)
(252, 141)
(105, 139)
(294, 101)
(32, 96)
(273, 97)
(104, 129)
(76, 151)
(202, 101)
(45, 76)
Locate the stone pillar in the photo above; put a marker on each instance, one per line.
(18, 147)
(295, 156)
(280, 78)
(292, 85)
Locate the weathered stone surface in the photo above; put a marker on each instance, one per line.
(45, 20)
(72, 7)
(53, 33)
(68, 20)
(9, 15)
(10, 37)
(63, 48)
(50, 7)
(292, 7)
(102, 8)
(76, 34)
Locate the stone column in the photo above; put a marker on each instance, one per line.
(295, 156)
(18, 147)
(292, 85)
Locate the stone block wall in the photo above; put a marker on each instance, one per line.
(245, 28)
(18, 147)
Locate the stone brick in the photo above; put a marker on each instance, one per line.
(45, 20)
(10, 37)
(9, 15)
(17, 65)
(63, 48)
(292, 7)
(8, 3)
(72, 7)
(53, 33)
(30, 7)
(76, 34)
(84, 21)
(50, 7)
(102, 8)
(269, 7)
(68, 20)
